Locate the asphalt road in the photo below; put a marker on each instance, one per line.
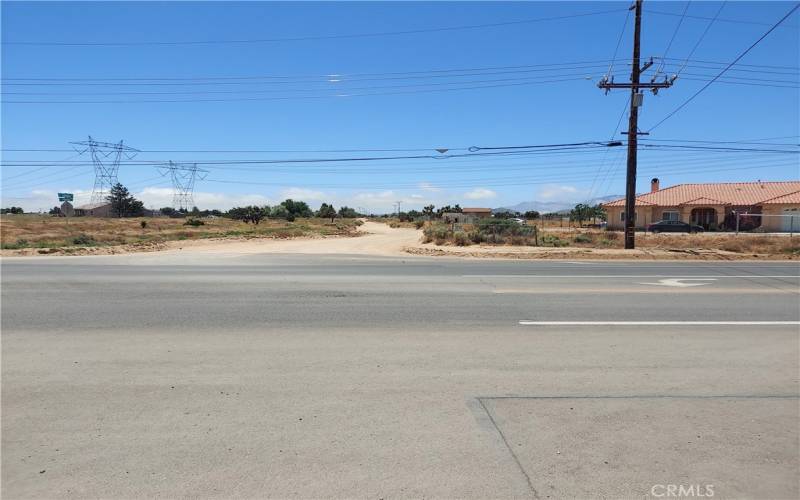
(169, 375)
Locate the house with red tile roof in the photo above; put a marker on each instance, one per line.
(714, 205)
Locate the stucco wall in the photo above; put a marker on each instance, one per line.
(777, 223)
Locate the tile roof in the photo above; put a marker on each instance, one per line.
(473, 210)
(728, 193)
(790, 198)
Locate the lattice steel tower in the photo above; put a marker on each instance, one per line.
(105, 157)
(183, 177)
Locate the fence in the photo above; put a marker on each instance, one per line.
(790, 227)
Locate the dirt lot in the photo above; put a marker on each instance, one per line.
(46, 236)
(35, 234)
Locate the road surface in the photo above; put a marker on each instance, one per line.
(298, 376)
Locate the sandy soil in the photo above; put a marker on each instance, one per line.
(375, 239)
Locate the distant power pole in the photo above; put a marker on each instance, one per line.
(637, 97)
(398, 207)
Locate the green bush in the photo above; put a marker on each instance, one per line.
(583, 238)
(193, 223)
(83, 240)
(551, 240)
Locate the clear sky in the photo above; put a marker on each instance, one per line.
(309, 85)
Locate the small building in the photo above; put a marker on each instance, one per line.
(714, 205)
(67, 210)
(102, 209)
(467, 215)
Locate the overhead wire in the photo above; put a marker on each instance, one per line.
(313, 37)
(741, 55)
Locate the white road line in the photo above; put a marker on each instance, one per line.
(656, 323)
(601, 276)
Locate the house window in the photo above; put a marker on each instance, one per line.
(670, 215)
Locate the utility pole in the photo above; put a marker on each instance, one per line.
(636, 101)
(398, 207)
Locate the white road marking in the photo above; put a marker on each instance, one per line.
(638, 276)
(656, 323)
(679, 282)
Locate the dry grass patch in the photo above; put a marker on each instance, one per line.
(38, 231)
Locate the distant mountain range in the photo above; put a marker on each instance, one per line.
(545, 207)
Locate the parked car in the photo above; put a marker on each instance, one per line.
(520, 221)
(673, 226)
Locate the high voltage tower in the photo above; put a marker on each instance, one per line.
(183, 177)
(105, 157)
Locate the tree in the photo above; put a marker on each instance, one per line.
(255, 213)
(326, 211)
(55, 211)
(297, 208)
(12, 210)
(278, 212)
(123, 203)
(506, 214)
(348, 213)
(448, 208)
(599, 212)
(581, 212)
(427, 211)
(170, 212)
(532, 214)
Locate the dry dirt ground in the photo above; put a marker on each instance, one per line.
(380, 239)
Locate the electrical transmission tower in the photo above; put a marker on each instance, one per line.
(105, 157)
(183, 177)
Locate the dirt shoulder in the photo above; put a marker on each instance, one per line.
(379, 239)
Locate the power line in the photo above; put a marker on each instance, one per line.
(690, 99)
(583, 75)
(321, 77)
(315, 37)
(282, 98)
(674, 34)
(722, 20)
(702, 36)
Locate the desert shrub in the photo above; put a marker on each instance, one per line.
(84, 240)
(518, 240)
(583, 238)
(194, 223)
(606, 242)
(143, 224)
(476, 236)
(612, 235)
(461, 239)
(551, 240)
(418, 224)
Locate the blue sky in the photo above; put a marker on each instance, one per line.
(518, 102)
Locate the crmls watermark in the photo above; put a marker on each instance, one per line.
(682, 490)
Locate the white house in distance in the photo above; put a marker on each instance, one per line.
(713, 205)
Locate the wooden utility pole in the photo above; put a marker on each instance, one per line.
(633, 122)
